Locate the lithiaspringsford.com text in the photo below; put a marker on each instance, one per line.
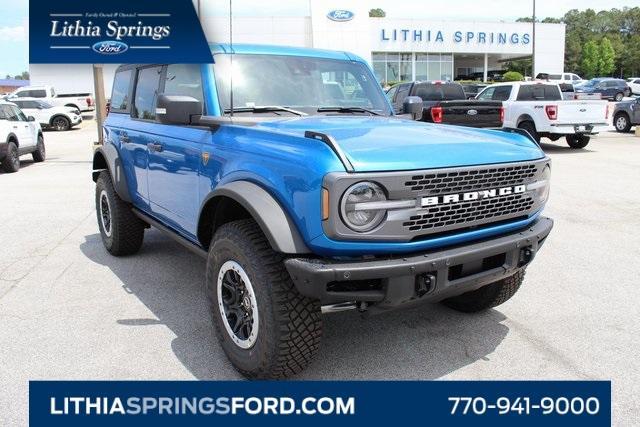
(221, 405)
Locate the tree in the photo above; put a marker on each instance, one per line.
(606, 58)
(377, 13)
(590, 62)
(512, 76)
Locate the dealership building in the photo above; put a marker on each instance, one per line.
(398, 49)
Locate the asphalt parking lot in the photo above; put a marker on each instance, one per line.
(69, 310)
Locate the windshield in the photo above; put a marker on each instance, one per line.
(304, 84)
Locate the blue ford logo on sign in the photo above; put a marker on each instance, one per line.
(340, 15)
(110, 47)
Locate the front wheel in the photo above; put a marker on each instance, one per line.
(61, 123)
(122, 232)
(489, 296)
(621, 122)
(577, 141)
(40, 154)
(11, 162)
(266, 328)
(618, 97)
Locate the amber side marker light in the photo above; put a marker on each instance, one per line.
(325, 204)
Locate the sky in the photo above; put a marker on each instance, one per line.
(14, 16)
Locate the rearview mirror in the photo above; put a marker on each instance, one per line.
(177, 109)
(413, 105)
(31, 119)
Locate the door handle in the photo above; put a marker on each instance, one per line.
(154, 146)
(124, 138)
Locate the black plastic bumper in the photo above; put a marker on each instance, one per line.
(429, 276)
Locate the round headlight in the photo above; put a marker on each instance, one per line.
(355, 213)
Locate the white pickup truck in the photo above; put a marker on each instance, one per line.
(79, 101)
(538, 108)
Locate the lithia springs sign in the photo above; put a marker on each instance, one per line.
(458, 36)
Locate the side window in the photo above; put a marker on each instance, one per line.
(403, 92)
(574, 77)
(11, 113)
(19, 114)
(120, 91)
(38, 93)
(502, 93)
(391, 93)
(184, 79)
(3, 112)
(487, 94)
(144, 102)
(22, 94)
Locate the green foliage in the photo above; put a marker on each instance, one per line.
(512, 76)
(613, 36)
(377, 13)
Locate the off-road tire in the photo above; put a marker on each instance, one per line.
(40, 154)
(290, 325)
(577, 141)
(11, 162)
(531, 128)
(486, 297)
(126, 230)
(622, 123)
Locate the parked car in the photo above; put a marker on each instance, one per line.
(608, 88)
(472, 89)
(19, 135)
(560, 78)
(626, 114)
(79, 101)
(49, 116)
(539, 109)
(634, 85)
(446, 102)
(303, 203)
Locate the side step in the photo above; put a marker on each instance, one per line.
(199, 250)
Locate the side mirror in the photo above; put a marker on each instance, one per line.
(413, 105)
(177, 109)
(31, 119)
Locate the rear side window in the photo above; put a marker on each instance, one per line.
(120, 91)
(539, 93)
(3, 113)
(38, 93)
(440, 92)
(144, 103)
(184, 79)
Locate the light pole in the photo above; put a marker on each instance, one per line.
(533, 43)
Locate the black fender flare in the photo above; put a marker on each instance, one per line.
(525, 118)
(277, 226)
(106, 157)
(13, 136)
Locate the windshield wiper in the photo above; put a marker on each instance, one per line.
(348, 110)
(265, 109)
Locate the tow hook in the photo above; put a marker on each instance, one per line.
(425, 283)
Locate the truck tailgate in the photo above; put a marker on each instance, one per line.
(480, 114)
(582, 112)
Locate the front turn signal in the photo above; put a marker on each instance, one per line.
(325, 204)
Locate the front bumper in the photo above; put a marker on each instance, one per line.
(428, 276)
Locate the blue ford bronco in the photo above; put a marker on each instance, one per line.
(287, 170)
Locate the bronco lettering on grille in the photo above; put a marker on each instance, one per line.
(472, 195)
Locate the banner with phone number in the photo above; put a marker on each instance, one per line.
(309, 403)
(115, 31)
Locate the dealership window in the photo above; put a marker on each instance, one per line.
(394, 66)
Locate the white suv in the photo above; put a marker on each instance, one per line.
(48, 115)
(19, 135)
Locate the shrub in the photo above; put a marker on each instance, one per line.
(512, 76)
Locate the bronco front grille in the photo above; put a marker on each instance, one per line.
(457, 215)
(471, 180)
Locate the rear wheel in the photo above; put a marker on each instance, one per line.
(489, 296)
(40, 154)
(531, 128)
(577, 141)
(621, 122)
(11, 162)
(122, 232)
(266, 328)
(60, 123)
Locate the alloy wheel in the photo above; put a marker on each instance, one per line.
(105, 213)
(237, 304)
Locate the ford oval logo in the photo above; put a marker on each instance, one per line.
(472, 112)
(340, 15)
(110, 47)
